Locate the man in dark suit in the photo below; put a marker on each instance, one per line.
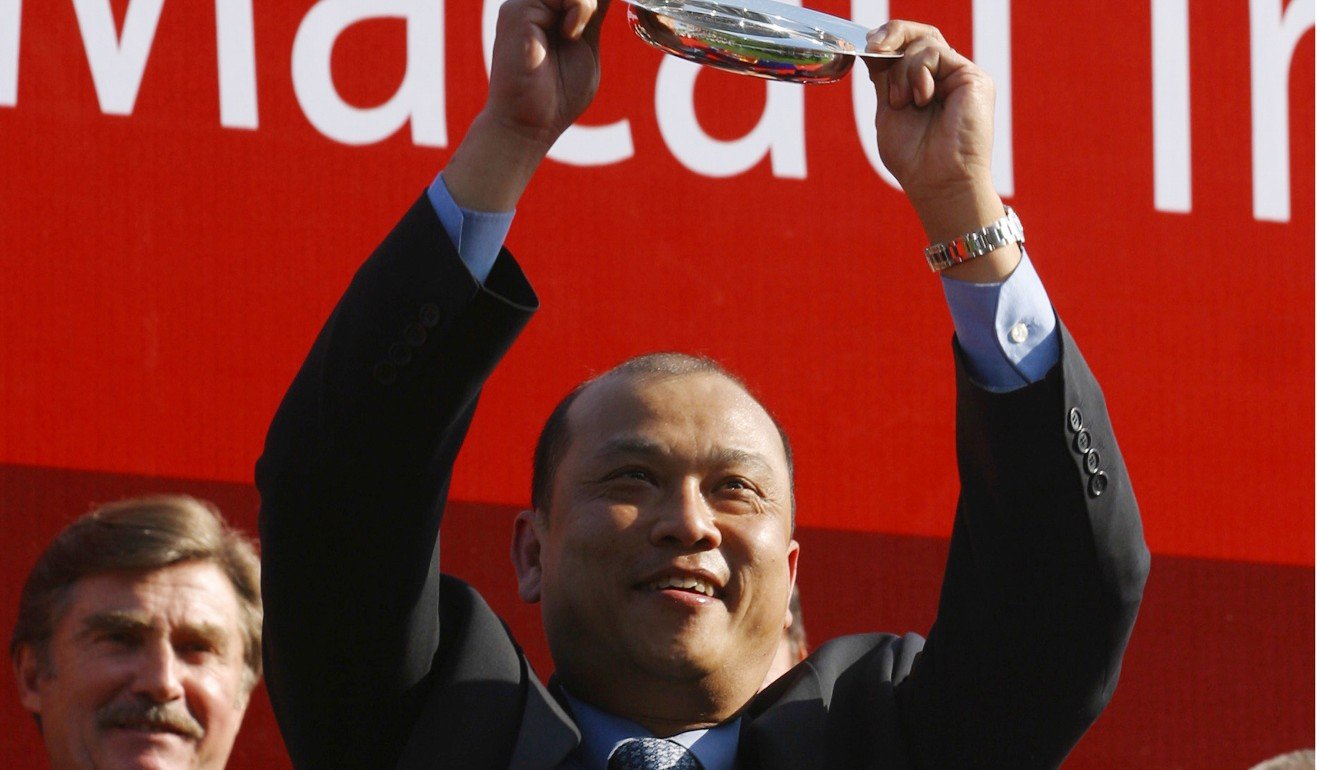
(660, 543)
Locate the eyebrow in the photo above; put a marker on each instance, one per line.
(113, 621)
(116, 620)
(633, 445)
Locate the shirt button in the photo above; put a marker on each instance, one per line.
(1018, 333)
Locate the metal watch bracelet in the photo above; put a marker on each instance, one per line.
(1001, 232)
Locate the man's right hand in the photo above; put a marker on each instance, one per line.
(544, 72)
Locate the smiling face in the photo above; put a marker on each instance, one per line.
(144, 670)
(665, 562)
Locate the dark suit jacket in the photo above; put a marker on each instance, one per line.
(374, 660)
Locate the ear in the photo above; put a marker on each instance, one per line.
(793, 550)
(28, 673)
(526, 555)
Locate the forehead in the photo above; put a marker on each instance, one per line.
(190, 594)
(704, 411)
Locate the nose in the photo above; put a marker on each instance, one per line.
(685, 520)
(158, 675)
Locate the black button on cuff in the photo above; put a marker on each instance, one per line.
(1083, 441)
(1075, 419)
(1093, 461)
(415, 335)
(385, 373)
(400, 354)
(1096, 486)
(429, 315)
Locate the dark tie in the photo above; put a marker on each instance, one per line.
(652, 754)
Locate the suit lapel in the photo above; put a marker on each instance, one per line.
(547, 733)
(784, 725)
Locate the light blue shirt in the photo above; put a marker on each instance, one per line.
(716, 747)
(1007, 330)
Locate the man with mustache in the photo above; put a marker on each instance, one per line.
(659, 542)
(138, 639)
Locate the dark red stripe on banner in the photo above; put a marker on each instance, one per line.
(1219, 673)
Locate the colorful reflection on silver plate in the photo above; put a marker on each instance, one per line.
(761, 38)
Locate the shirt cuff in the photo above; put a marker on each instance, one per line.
(1007, 330)
(476, 235)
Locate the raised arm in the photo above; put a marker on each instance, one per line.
(934, 128)
(1047, 561)
(544, 73)
(356, 466)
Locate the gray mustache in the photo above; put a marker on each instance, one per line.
(153, 716)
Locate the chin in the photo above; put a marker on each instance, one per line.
(150, 757)
(682, 659)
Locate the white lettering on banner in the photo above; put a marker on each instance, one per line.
(11, 15)
(1274, 37)
(420, 98)
(579, 145)
(236, 61)
(117, 60)
(781, 131)
(991, 44)
(1170, 85)
(867, 12)
(991, 35)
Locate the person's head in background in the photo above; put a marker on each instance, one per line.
(793, 647)
(138, 639)
(1293, 760)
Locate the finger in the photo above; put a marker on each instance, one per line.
(898, 34)
(577, 13)
(516, 13)
(926, 64)
(921, 68)
(899, 91)
(591, 32)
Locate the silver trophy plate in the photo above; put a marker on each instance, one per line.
(761, 38)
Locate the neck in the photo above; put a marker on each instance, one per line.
(664, 710)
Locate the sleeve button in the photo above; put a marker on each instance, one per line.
(1093, 461)
(430, 315)
(400, 354)
(1096, 486)
(1074, 419)
(1082, 441)
(385, 373)
(415, 335)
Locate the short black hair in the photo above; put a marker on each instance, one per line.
(553, 442)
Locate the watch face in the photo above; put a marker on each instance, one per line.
(760, 38)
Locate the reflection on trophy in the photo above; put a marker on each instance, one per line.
(761, 38)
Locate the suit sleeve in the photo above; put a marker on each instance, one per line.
(1046, 569)
(353, 480)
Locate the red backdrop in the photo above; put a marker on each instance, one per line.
(169, 247)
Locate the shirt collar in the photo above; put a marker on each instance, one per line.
(716, 747)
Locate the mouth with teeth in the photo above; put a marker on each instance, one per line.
(684, 584)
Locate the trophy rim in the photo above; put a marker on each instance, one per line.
(804, 30)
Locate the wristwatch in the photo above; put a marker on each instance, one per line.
(1001, 232)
